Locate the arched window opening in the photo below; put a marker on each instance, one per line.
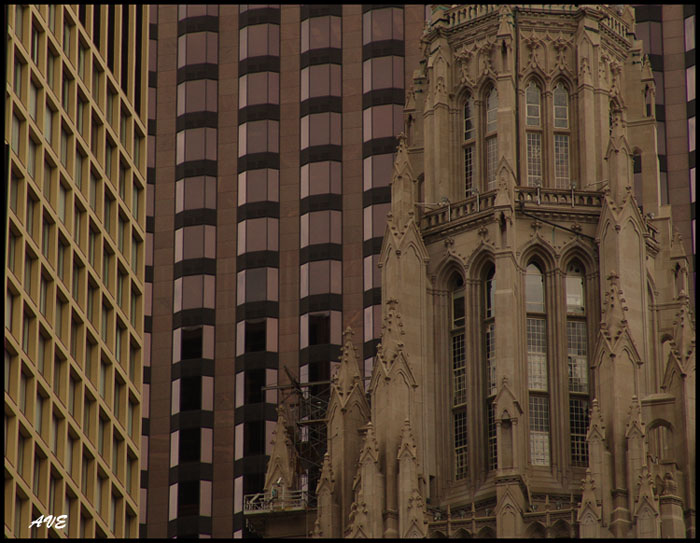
(533, 135)
(577, 348)
(562, 177)
(638, 183)
(469, 145)
(491, 138)
(488, 333)
(660, 442)
(537, 366)
(459, 376)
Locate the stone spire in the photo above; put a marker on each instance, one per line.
(281, 467)
(589, 513)
(411, 501)
(684, 331)
(348, 375)
(646, 510)
(348, 411)
(635, 433)
(403, 182)
(327, 518)
(368, 486)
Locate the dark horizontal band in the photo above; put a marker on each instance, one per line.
(195, 217)
(191, 72)
(202, 23)
(321, 302)
(256, 210)
(197, 119)
(321, 202)
(259, 16)
(321, 251)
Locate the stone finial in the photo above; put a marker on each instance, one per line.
(614, 308)
(370, 446)
(281, 467)
(684, 330)
(407, 445)
(596, 428)
(588, 499)
(348, 374)
(635, 424)
(645, 489)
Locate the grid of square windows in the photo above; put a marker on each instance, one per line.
(45, 346)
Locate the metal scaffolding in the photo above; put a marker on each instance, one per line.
(308, 403)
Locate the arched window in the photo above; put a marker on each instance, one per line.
(533, 135)
(577, 348)
(562, 176)
(469, 145)
(491, 138)
(488, 332)
(459, 377)
(537, 366)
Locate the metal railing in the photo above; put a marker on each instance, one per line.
(267, 502)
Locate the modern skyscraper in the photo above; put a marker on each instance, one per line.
(535, 373)
(75, 110)
(271, 138)
(668, 34)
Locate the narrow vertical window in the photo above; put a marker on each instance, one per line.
(562, 178)
(459, 377)
(537, 366)
(577, 347)
(533, 124)
(489, 345)
(491, 138)
(469, 145)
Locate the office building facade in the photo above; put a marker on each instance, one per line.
(75, 132)
(271, 136)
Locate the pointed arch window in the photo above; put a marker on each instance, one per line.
(537, 366)
(488, 332)
(459, 377)
(469, 145)
(562, 136)
(577, 350)
(491, 138)
(533, 97)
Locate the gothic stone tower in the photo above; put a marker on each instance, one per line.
(536, 373)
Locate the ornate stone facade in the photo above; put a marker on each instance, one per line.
(536, 373)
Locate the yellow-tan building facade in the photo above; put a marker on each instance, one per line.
(75, 133)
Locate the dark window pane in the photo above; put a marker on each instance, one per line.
(256, 284)
(190, 445)
(254, 381)
(319, 329)
(188, 498)
(191, 393)
(254, 438)
(255, 336)
(191, 344)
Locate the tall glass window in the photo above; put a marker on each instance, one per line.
(533, 122)
(537, 366)
(577, 349)
(469, 145)
(561, 137)
(491, 138)
(459, 377)
(489, 328)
